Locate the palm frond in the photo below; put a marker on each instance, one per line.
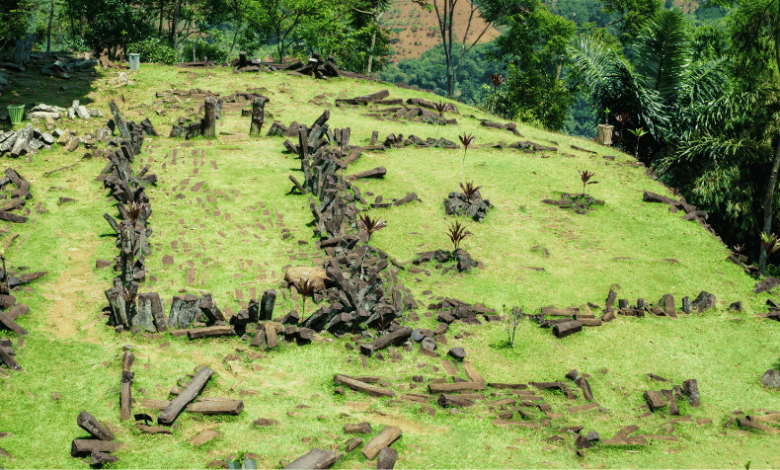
(663, 53)
(704, 82)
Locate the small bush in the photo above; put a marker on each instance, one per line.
(154, 50)
(204, 49)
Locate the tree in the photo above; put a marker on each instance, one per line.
(377, 9)
(347, 33)
(756, 36)
(279, 20)
(14, 19)
(657, 88)
(536, 44)
(489, 10)
(632, 16)
(107, 23)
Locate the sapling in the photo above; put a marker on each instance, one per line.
(306, 288)
(457, 233)
(585, 177)
(512, 323)
(470, 190)
(372, 225)
(770, 243)
(466, 140)
(606, 116)
(638, 133)
(441, 106)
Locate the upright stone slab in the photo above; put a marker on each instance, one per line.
(158, 311)
(267, 304)
(144, 317)
(119, 121)
(173, 317)
(210, 117)
(189, 309)
(24, 49)
(254, 310)
(258, 115)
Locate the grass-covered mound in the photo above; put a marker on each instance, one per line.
(226, 222)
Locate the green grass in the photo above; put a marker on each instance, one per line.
(70, 351)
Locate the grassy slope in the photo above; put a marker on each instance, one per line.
(71, 352)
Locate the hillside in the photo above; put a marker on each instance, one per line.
(226, 222)
(416, 30)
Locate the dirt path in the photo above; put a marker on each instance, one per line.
(75, 292)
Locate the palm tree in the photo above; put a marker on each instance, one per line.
(660, 83)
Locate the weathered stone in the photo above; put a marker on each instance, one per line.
(691, 390)
(771, 378)
(387, 458)
(457, 353)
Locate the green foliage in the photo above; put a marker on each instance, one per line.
(346, 31)
(535, 97)
(663, 54)
(204, 49)
(14, 17)
(632, 16)
(107, 23)
(430, 72)
(534, 90)
(278, 21)
(511, 323)
(154, 50)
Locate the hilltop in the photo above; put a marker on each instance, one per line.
(225, 221)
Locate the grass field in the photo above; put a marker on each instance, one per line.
(227, 231)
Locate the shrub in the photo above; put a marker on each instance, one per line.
(204, 49)
(154, 50)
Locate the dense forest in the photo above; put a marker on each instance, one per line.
(691, 90)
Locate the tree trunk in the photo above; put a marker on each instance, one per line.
(48, 31)
(175, 26)
(770, 190)
(162, 10)
(448, 47)
(770, 193)
(233, 44)
(371, 55)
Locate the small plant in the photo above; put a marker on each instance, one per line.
(770, 243)
(638, 133)
(606, 116)
(306, 288)
(623, 119)
(497, 81)
(441, 106)
(585, 177)
(457, 233)
(135, 211)
(466, 140)
(469, 190)
(372, 225)
(512, 322)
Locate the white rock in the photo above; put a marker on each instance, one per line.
(83, 113)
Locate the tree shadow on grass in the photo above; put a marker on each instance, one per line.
(30, 87)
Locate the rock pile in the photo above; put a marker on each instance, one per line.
(458, 203)
(579, 203)
(18, 196)
(462, 259)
